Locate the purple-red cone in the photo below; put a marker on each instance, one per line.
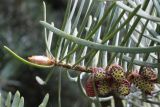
(106, 81)
(142, 83)
(148, 73)
(124, 88)
(116, 71)
(89, 87)
(99, 73)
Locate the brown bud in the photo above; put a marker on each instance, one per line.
(41, 60)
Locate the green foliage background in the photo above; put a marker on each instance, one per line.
(21, 31)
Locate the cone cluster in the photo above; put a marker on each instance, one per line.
(144, 80)
(113, 79)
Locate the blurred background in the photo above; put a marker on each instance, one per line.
(20, 30)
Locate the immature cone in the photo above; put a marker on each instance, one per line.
(124, 88)
(148, 74)
(145, 85)
(99, 73)
(89, 87)
(114, 87)
(103, 88)
(116, 72)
